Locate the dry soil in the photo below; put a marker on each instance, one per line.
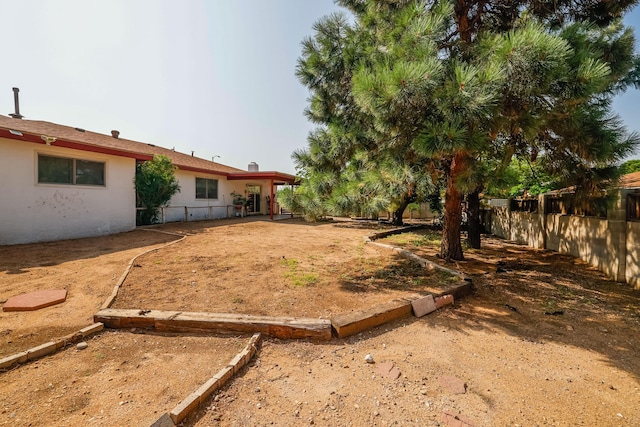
(544, 340)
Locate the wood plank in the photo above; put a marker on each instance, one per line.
(184, 408)
(357, 321)
(221, 323)
(131, 318)
(459, 290)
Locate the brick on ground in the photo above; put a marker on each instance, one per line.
(389, 370)
(453, 385)
(456, 420)
(423, 306)
(444, 300)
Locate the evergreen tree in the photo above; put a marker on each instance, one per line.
(447, 86)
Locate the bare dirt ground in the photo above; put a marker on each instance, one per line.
(576, 365)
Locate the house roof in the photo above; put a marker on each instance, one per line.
(630, 180)
(77, 138)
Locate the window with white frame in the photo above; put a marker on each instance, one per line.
(206, 188)
(64, 170)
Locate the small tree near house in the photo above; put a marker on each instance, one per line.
(155, 184)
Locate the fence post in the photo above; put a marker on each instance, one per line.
(542, 215)
(617, 229)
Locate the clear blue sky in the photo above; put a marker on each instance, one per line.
(216, 77)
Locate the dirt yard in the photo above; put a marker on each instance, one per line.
(545, 340)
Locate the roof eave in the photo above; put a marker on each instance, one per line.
(81, 146)
(276, 176)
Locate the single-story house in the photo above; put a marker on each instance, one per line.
(60, 182)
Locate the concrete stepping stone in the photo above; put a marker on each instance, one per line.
(35, 300)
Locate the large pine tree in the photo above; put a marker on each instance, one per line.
(437, 88)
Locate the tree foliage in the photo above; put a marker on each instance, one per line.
(630, 166)
(521, 178)
(411, 94)
(155, 184)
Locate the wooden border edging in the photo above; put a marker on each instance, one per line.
(410, 255)
(387, 233)
(222, 323)
(351, 323)
(354, 322)
(191, 402)
(49, 347)
(116, 288)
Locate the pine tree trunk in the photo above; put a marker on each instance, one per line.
(451, 248)
(474, 228)
(396, 218)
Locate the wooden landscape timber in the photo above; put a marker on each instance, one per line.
(343, 325)
(354, 322)
(357, 321)
(221, 323)
(200, 396)
(49, 347)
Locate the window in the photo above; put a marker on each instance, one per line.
(60, 170)
(206, 188)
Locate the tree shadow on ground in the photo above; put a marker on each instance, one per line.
(400, 274)
(203, 226)
(18, 259)
(543, 296)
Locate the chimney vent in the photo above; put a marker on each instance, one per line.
(253, 167)
(115, 133)
(16, 102)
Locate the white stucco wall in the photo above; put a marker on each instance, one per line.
(202, 209)
(32, 212)
(198, 209)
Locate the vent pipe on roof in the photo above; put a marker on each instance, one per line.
(253, 167)
(115, 134)
(16, 102)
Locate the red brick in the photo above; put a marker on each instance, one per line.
(423, 306)
(387, 369)
(444, 300)
(456, 420)
(394, 373)
(453, 384)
